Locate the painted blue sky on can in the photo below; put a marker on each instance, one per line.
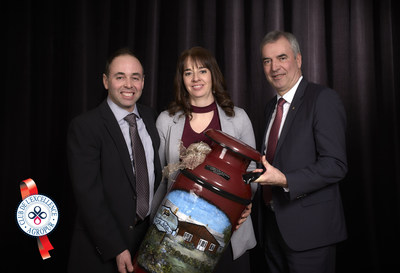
(199, 209)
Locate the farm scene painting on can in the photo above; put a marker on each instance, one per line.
(188, 234)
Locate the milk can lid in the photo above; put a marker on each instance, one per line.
(233, 144)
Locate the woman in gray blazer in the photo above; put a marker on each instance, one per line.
(202, 102)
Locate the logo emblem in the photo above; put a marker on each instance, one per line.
(37, 215)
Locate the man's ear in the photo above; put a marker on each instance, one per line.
(105, 81)
(298, 60)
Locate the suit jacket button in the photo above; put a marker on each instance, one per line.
(130, 227)
(98, 250)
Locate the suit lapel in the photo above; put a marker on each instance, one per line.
(149, 125)
(153, 133)
(119, 141)
(269, 109)
(294, 107)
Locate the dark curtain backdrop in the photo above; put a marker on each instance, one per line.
(55, 53)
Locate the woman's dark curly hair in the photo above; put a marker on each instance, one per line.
(204, 58)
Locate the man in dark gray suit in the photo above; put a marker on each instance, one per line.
(108, 230)
(301, 212)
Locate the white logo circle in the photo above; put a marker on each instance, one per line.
(37, 215)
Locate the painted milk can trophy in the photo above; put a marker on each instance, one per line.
(195, 221)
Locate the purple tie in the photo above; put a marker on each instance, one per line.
(139, 161)
(271, 146)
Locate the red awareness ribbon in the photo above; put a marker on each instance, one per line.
(28, 187)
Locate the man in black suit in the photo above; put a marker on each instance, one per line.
(304, 220)
(108, 231)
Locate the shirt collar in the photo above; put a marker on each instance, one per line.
(290, 94)
(120, 113)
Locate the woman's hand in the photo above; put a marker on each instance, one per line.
(244, 216)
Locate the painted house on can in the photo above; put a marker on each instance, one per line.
(199, 235)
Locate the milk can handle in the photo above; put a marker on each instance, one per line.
(250, 177)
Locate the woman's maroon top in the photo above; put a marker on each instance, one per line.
(189, 136)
